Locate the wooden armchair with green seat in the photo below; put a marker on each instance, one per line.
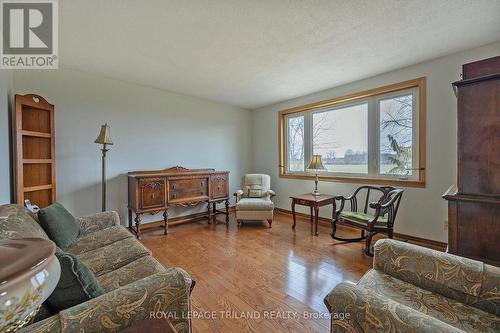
(380, 219)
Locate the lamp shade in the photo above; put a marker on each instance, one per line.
(316, 163)
(104, 137)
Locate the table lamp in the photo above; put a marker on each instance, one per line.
(316, 165)
(104, 139)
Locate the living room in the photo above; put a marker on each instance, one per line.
(190, 166)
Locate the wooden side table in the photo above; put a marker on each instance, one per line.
(314, 202)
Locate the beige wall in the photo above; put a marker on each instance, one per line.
(151, 129)
(5, 97)
(422, 211)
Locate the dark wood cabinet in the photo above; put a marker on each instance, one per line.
(152, 192)
(474, 202)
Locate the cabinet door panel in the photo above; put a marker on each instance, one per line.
(219, 186)
(152, 193)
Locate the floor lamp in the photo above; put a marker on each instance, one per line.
(104, 139)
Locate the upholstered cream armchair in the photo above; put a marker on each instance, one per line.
(256, 200)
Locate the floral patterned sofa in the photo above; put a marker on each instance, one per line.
(415, 289)
(135, 283)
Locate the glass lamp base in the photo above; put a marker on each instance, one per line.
(316, 193)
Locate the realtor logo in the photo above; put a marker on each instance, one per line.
(29, 34)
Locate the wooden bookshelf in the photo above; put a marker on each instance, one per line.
(34, 150)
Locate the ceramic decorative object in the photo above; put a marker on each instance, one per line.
(30, 272)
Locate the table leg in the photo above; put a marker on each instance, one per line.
(293, 214)
(311, 217)
(316, 213)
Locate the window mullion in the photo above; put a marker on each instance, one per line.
(308, 144)
(372, 138)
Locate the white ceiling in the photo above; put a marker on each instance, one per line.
(252, 53)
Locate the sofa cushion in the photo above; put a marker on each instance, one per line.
(113, 256)
(77, 283)
(450, 311)
(254, 204)
(59, 224)
(136, 270)
(97, 239)
(17, 221)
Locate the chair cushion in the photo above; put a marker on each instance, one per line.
(363, 218)
(254, 204)
(76, 285)
(448, 310)
(97, 239)
(136, 270)
(60, 225)
(113, 256)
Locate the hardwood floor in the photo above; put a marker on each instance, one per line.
(269, 275)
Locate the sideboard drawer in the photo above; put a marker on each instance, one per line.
(152, 193)
(186, 189)
(219, 186)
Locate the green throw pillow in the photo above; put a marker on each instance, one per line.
(59, 224)
(76, 285)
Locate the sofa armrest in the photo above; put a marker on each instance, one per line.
(449, 275)
(98, 221)
(162, 295)
(356, 309)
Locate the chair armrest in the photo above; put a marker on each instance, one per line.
(238, 195)
(446, 274)
(166, 294)
(98, 221)
(357, 309)
(340, 208)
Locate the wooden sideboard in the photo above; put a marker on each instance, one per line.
(474, 203)
(153, 192)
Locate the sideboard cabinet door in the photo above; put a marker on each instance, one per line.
(152, 193)
(219, 186)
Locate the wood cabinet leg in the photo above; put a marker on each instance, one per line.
(165, 220)
(227, 212)
(138, 225)
(209, 213)
(130, 222)
(316, 213)
(293, 214)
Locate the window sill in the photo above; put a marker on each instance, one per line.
(359, 180)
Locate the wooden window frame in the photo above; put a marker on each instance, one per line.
(418, 83)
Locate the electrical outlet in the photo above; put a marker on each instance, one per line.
(445, 224)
